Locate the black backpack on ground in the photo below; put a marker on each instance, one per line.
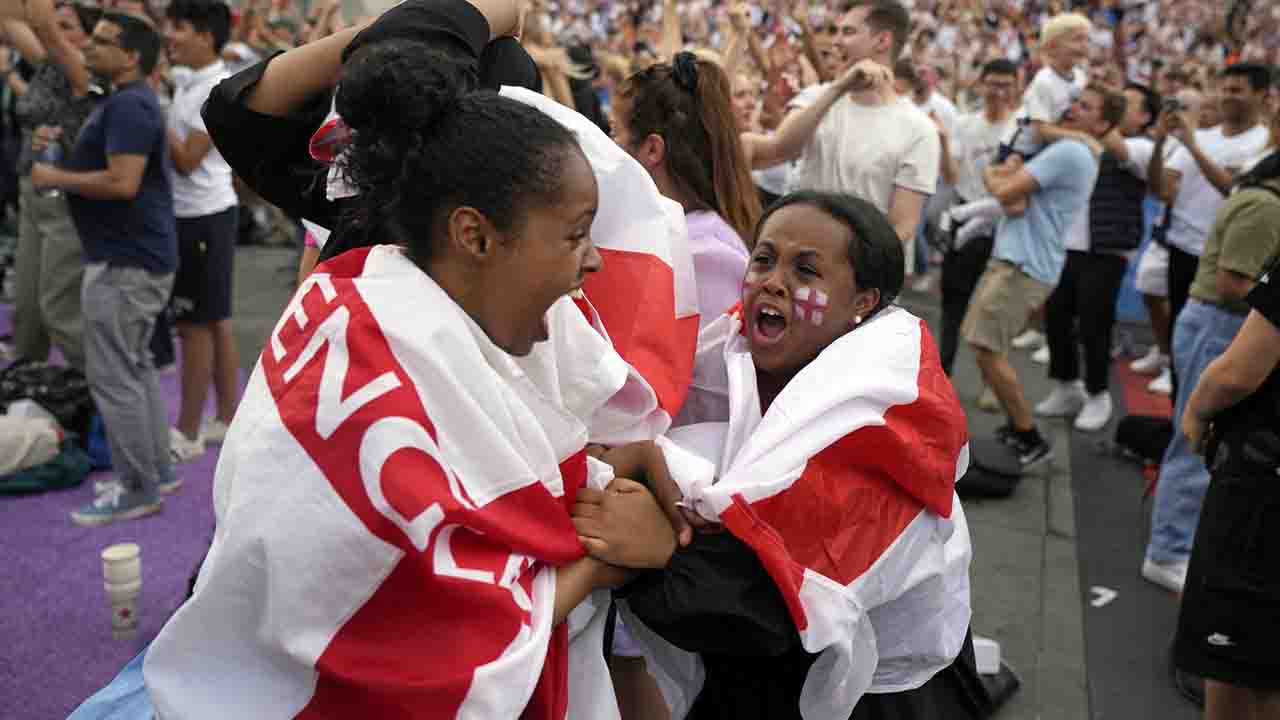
(1144, 437)
(63, 391)
(994, 471)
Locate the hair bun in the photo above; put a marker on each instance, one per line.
(400, 86)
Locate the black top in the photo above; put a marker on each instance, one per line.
(271, 154)
(715, 598)
(1262, 408)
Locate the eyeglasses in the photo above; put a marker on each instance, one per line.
(105, 42)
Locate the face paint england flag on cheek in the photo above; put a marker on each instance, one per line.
(811, 305)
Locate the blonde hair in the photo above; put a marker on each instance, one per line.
(1061, 25)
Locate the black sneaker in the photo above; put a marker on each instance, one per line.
(1005, 435)
(1031, 453)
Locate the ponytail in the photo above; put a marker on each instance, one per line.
(687, 103)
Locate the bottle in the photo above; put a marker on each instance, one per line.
(50, 155)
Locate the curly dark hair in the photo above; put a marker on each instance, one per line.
(426, 141)
(875, 252)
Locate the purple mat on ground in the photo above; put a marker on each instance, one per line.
(55, 622)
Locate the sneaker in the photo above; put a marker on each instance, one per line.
(1066, 399)
(922, 284)
(213, 432)
(116, 504)
(182, 449)
(165, 488)
(988, 402)
(1041, 355)
(1162, 385)
(1152, 363)
(1004, 435)
(1031, 454)
(1095, 414)
(1028, 339)
(1170, 576)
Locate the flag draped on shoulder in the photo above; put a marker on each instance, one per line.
(844, 489)
(645, 296)
(391, 501)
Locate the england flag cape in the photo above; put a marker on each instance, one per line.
(845, 490)
(392, 500)
(645, 297)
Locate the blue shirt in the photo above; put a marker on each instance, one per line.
(141, 231)
(1036, 240)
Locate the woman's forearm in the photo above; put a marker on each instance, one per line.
(295, 77)
(578, 579)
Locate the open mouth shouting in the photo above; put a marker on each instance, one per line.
(768, 325)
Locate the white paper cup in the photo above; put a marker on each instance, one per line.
(124, 608)
(122, 564)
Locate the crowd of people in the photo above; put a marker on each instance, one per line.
(734, 498)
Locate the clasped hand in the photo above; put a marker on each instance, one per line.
(623, 525)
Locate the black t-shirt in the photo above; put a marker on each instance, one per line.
(271, 154)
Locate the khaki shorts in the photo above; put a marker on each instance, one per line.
(1000, 305)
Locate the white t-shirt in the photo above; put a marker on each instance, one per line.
(1198, 200)
(868, 150)
(208, 189)
(943, 108)
(1139, 155)
(1047, 98)
(974, 144)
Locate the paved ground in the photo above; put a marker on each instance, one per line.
(1026, 573)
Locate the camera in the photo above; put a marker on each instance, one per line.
(1172, 105)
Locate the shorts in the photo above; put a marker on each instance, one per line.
(1229, 626)
(206, 256)
(1002, 302)
(1152, 277)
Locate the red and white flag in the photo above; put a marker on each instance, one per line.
(845, 490)
(392, 500)
(645, 297)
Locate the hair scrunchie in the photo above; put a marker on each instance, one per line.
(684, 68)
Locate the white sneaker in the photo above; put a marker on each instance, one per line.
(1028, 339)
(1163, 384)
(1171, 576)
(1065, 400)
(1151, 363)
(1041, 355)
(1096, 413)
(213, 431)
(182, 449)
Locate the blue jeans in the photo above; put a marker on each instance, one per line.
(1201, 333)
